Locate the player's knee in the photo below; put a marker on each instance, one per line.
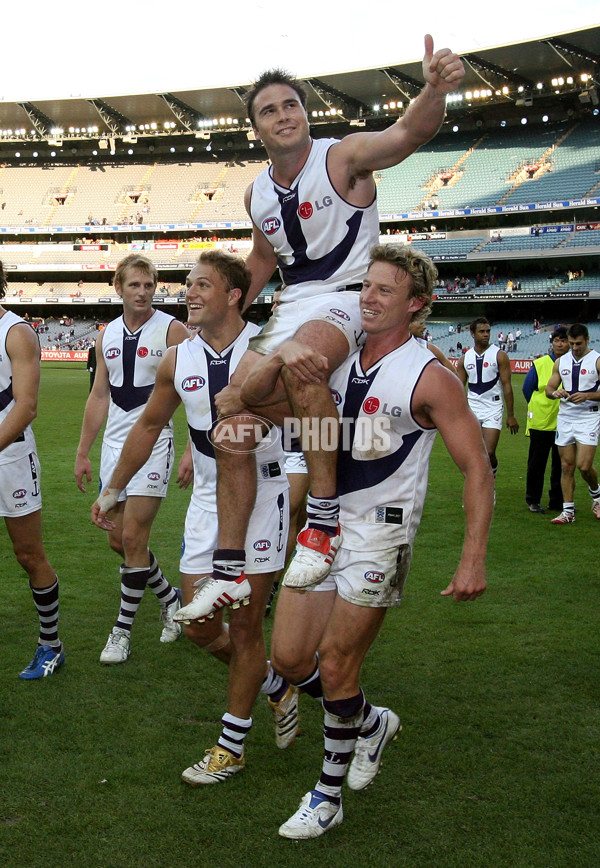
(245, 630)
(333, 669)
(117, 546)
(33, 562)
(210, 640)
(293, 668)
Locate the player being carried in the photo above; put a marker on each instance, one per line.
(314, 216)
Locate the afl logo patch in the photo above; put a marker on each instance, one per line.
(337, 398)
(154, 476)
(142, 352)
(191, 384)
(262, 545)
(339, 313)
(271, 225)
(305, 210)
(19, 494)
(113, 353)
(371, 405)
(375, 577)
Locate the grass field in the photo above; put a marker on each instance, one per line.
(497, 764)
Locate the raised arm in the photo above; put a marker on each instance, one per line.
(23, 350)
(367, 152)
(140, 441)
(440, 400)
(96, 410)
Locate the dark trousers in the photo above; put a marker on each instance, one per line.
(541, 444)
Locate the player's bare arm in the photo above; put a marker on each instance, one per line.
(554, 387)
(460, 370)
(96, 410)
(363, 153)
(23, 349)
(263, 387)
(261, 261)
(439, 400)
(504, 371)
(142, 438)
(177, 333)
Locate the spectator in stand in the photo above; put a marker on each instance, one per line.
(541, 427)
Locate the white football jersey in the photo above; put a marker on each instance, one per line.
(579, 376)
(322, 242)
(383, 462)
(132, 359)
(200, 374)
(25, 442)
(483, 378)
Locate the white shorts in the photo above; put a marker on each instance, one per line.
(341, 309)
(20, 491)
(151, 480)
(373, 579)
(580, 428)
(489, 415)
(265, 541)
(295, 462)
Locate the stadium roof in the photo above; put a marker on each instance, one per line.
(518, 66)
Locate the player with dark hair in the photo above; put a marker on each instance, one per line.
(575, 382)
(485, 370)
(20, 494)
(127, 355)
(541, 426)
(314, 217)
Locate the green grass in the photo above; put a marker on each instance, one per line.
(497, 764)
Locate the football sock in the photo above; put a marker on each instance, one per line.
(312, 685)
(569, 507)
(323, 513)
(235, 730)
(371, 720)
(274, 685)
(341, 727)
(495, 469)
(133, 585)
(595, 495)
(228, 564)
(46, 603)
(164, 590)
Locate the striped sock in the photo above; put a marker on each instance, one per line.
(46, 603)
(228, 564)
(235, 730)
(322, 513)
(312, 685)
(371, 720)
(274, 685)
(164, 590)
(133, 585)
(341, 728)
